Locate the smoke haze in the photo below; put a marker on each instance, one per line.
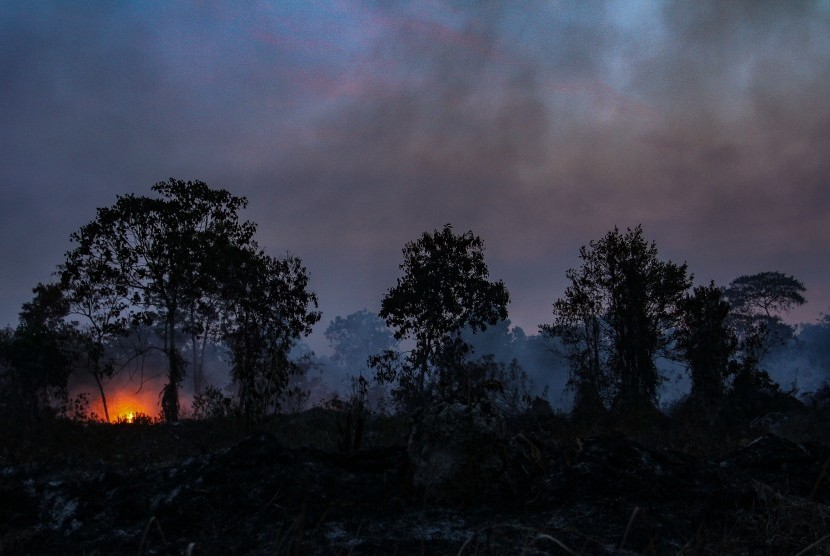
(353, 127)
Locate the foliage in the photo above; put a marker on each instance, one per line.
(36, 360)
(79, 410)
(503, 386)
(706, 341)
(502, 340)
(615, 318)
(580, 326)
(820, 398)
(352, 414)
(211, 403)
(758, 301)
(154, 259)
(812, 347)
(357, 336)
(184, 265)
(444, 289)
(269, 307)
(137, 418)
(354, 340)
(98, 298)
(769, 293)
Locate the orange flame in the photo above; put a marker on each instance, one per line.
(127, 402)
(125, 405)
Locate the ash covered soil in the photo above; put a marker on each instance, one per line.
(545, 486)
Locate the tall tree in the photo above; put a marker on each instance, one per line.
(269, 307)
(36, 358)
(706, 342)
(617, 313)
(758, 303)
(444, 289)
(162, 254)
(579, 322)
(96, 296)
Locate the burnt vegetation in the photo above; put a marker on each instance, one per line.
(430, 428)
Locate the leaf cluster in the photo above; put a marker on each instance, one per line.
(706, 341)
(444, 289)
(615, 318)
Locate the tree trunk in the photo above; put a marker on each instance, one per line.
(103, 396)
(170, 393)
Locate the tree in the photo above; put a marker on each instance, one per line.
(356, 337)
(758, 301)
(767, 293)
(502, 340)
(444, 289)
(36, 358)
(160, 256)
(268, 308)
(94, 293)
(814, 343)
(707, 342)
(579, 322)
(615, 319)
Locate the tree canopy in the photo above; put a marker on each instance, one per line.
(615, 318)
(758, 302)
(170, 261)
(706, 342)
(36, 358)
(357, 336)
(767, 293)
(444, 289)
(184, 268)
(267, 308)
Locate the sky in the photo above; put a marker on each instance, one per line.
(353, 127)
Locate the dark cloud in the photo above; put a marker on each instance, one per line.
(353, 127)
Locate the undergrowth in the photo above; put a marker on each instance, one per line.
(777, 523)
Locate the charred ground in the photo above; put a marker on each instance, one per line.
(665, 484)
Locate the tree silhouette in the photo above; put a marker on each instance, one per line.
(615, 319)
(94, 294)
(758, 301)
(357, 336)
(160, 255)
(267, 308)
(579, 322)
(36, 358)
(444, 289)
(706, 342)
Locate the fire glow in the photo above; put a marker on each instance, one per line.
(128, 401)
(125, 404)
(131, 398)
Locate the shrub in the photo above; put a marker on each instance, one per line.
(212, 404)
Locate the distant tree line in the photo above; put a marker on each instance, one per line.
(179, 271)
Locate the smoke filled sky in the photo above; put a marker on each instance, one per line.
(352, 127)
